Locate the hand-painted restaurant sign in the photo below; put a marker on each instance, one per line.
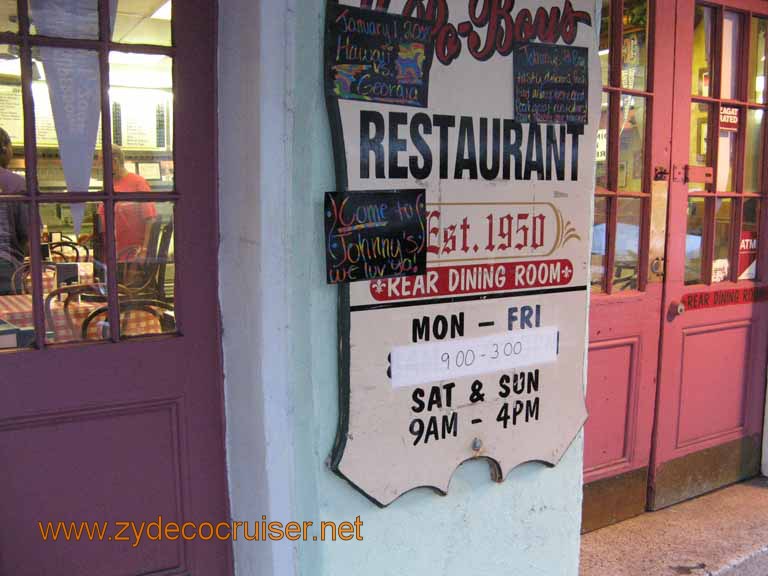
(727, 297)
(478, 116)
(370, 235)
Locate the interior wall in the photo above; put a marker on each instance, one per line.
(280, 346)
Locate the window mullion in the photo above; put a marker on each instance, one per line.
(113, 310)
(30, 174)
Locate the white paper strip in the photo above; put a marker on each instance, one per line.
(424, 363)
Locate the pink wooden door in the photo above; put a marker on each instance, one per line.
(116, 428)
(627, 258)
(713, 353)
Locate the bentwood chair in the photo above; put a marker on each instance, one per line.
(144, 276)
(138, 317)
(21, 281)
(66, 251)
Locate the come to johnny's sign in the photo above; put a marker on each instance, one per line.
(464, 136)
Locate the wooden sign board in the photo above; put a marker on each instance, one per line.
(482, 354)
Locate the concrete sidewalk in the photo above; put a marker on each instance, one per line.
(721, 534)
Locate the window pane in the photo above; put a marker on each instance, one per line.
(722, 257)
(143, 22)
(605, 41)
(599, 230)
(16, 321)
(699, 151)
(748, 243)
(753, 161)
(757, 62)
(74, 277)
(141, 94)
(701, 79)
(67, 102)
(8, 16)
(634, 49)
(632, 144)
(71, 19)
(601, 172)
(727, 151)
(146, 271)
(729, 73)
(694, 240)
(626, 261)
(11, 128)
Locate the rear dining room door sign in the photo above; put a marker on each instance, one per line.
(480, 116)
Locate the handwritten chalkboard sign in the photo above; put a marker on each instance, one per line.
(551, 84)
(377, 57)
(378, 234)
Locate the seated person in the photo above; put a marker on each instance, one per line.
(13, 220)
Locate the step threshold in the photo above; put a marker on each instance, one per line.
(724, 533)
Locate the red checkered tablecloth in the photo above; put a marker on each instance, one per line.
(17, 310)
(49, 278)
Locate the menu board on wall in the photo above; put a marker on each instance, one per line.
(551, 84)
(144, 119)
(481, 353)
(11, 119)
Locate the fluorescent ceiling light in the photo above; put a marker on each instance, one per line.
(163, 13)
(10, 67)
(132, 58)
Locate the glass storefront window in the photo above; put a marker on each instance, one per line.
(67, 101)
(73, 19)
(748, 241)
(721, 261)
(634, 47)
(141, 103)
(694, 240)
(16, 323)
(143, 22)
(144, 239)
(74, 271)
(753, 160)
(757, 60)
(631, 144)
(598, 258)
(700, 153)
(703, 38)
(601, 172)
(627, 245)
(730, 56)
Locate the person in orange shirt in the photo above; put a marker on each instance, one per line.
(132, 219)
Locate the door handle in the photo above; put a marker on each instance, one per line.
(677, 308)
(657, 266)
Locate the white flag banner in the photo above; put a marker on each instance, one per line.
(73, 85)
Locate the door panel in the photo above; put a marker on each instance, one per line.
(126, 429)
(713, 353)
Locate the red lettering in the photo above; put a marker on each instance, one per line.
(503, 31)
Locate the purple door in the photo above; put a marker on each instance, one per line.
(111, 395)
